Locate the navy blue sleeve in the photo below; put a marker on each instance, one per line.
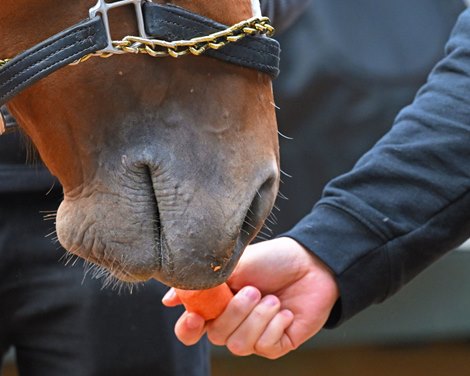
(283, 12)
(407, 201)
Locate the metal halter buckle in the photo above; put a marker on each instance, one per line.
(102, 7)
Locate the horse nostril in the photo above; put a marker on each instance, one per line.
(258, 211)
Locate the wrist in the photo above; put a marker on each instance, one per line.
(322, 275)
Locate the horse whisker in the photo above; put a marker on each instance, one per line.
(282, 196)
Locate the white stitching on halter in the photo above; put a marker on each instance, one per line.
(256, 8)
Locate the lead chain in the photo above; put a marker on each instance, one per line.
(195, 46)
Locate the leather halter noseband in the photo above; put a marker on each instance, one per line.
(165, 22)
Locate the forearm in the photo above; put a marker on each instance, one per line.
(406, 202)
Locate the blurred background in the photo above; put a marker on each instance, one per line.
(348, 68)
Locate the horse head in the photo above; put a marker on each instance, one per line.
(169, 167)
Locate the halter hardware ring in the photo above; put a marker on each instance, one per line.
(102, 8)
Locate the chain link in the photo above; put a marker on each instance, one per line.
(195, 46)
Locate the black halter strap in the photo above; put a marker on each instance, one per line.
(50, 55)
(166, 22)
(171, 22)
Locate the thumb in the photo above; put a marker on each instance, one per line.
(247, 270)
(171, 299)
(284, 258)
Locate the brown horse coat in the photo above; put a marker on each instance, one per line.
(169, 167)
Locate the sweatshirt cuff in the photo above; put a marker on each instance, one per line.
(356, 254)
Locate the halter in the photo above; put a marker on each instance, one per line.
(164, 30)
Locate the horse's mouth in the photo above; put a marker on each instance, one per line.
(139, 248)
(208, 265)
(180, 236)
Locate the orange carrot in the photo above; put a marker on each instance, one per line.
(208, 303)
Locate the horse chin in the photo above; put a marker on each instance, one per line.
(125, 276)
(115, 234)
(186, 272)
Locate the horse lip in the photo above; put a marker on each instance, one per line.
(207, 273)
(158, 244)
(158, 235)
(214, 272)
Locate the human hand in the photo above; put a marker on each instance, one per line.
(284, 296)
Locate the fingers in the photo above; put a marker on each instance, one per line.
(251, 325)
(243, 341)
(189, 328)
(236, 312)
(274, 342)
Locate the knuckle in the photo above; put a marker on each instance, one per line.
(257, 314)
(238, 348)
(239, 307)
(266, 307)
(273, 356)
(268, 351)
(263, 347)
(264, 351)
(273, 351)
(186, 339)
(189, 342)
(215, 338)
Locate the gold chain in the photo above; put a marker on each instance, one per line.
(195, 46)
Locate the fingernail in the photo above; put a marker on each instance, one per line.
(270, 301)
(288, 314)
(170, 294)
(250, 293)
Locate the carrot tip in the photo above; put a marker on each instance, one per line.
(208, 303)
